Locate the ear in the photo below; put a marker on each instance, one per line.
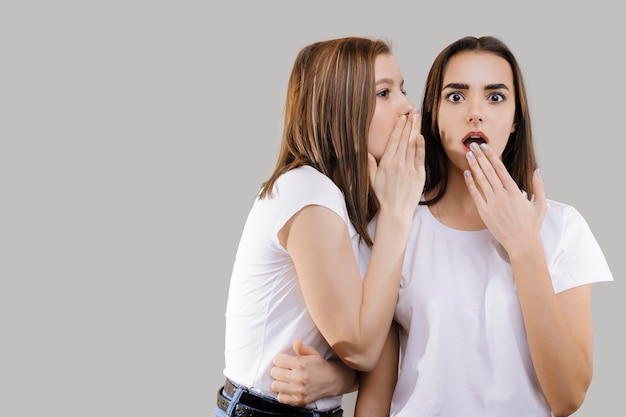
(513, 127)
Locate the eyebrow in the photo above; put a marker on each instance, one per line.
(387, 81)
(462, 86)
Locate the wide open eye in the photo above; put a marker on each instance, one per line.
(455, 97)
(496, 97)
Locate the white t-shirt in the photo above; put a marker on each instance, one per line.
(265, 310)
(463, 345)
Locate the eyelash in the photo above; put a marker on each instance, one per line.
(501, 95)
(384, 93)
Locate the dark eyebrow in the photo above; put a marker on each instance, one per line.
(461, 86)
(456, 86)
(498, 86)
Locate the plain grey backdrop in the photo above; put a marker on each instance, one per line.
(135, 135)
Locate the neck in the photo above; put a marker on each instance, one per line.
(456, 207)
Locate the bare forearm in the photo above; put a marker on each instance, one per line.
(352, 313)
(561, 357)
(377, 386)
(379, 296)
(346, 378)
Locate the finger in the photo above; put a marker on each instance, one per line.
(284, 390)
(486, 167)
(394, 139)
(296, 346)
(289, 399)
(504, 176)
(412, 144)
(303, 350)
(372, 167)
(288, 393)
(473, 190)
(420, 145)
(479, 181)
(539, 192)
(420, 154)
(406, 136)
(280, 375)
(283, 360)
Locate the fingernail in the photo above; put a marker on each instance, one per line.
(473, 146)
(466, 173)
(539, 174)
(470, 154)
(483, 146)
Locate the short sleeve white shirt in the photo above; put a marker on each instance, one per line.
(463, 345)
(265, 310)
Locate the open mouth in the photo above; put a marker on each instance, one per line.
(478, 139)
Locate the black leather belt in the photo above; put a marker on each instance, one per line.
(252, 405)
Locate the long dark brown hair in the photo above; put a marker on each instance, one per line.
(518, 155)
(330, 103)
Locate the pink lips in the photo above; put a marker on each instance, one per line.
(478, 137)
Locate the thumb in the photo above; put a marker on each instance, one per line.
(539, 192)
(303, 350)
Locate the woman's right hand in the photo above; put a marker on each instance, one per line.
(331, 282)
(398, 179)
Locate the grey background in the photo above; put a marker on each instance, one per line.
(136, 133)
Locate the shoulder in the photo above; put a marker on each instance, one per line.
(308, 183)
(305, 175)
(301, 187)
(562, 216)
(558, 207)
(565, 226)
(573, 254)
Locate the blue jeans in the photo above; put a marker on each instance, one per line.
(221, 413)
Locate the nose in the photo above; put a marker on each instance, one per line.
(407, 106)
(475, 113)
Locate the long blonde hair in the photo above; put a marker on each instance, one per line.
(331, 99)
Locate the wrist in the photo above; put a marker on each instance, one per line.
(344, 378)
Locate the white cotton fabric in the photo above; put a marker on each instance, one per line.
(463, 344)
(265, 310)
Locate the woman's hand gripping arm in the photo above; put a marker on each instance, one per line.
(307, 376)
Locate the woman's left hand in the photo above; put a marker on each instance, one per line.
(307, 376)
(505, 209)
